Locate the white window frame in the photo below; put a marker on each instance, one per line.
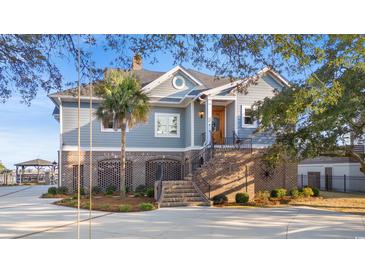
(158, 114)
(103, 129)
(177, 77)
(243, 114)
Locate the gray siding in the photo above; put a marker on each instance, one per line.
(166, 89)
(199, 124)
(264, 88)
(188, 114)
(230, 117)
(141, 135)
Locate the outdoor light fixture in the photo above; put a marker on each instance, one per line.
(201, 114)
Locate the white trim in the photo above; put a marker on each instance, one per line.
(60, 149)
(243, 112)
(277, 75)
(167, 135)
(166, 76)
(177, 77)
(192, 125)
(214, 91)
(236, 115)
(225, 122)
(139, 149)
(103, 129)
(261, 145)
(224, 98)
(328, 164)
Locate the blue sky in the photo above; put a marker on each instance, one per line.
(31, 132)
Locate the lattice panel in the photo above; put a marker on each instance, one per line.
(171, 170)
(109, 174)
(75, 175)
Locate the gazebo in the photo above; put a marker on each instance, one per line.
(37, 163)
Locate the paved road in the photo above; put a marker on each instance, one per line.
(24, 215)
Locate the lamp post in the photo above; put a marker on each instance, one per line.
(54, 164)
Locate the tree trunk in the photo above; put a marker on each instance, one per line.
(122, 159)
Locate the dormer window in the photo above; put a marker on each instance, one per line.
(178, 82)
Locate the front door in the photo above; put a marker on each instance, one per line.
(218, 124)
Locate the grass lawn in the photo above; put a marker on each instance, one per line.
(112, 203)
(342, 202)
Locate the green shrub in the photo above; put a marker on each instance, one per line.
(52, 190)
(316, 192)
(110, 189)
(220, 199)
(96, 190)
(62, 190)
(82, 191)
(294, 193)
(242, 198)
(124, 208)
(104, 206)
(263, 195)
(137, 194)
(141, 189)
(278, 193)
(146, 206)
(72, 203)
(150, 192)
(308, 192)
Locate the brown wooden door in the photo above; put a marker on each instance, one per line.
(314, 179)
(218, 124)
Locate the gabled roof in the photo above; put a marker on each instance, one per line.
(206, 84)
(167, 75)
(35, 162)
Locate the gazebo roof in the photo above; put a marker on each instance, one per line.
(35, 162)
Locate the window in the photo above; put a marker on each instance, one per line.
(247, 119)
(178, 82)
(167, 125)
(107, 125)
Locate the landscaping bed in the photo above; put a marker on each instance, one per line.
(140, 200)
(336, 201)
(111, 203)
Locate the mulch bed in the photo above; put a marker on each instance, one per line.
(107, 203)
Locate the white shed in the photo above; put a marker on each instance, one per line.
(331, 173)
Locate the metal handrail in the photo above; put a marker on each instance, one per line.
(160, 170)
(206, 183)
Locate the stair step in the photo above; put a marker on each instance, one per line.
(184, 204)
(183, 199)
(187, 194)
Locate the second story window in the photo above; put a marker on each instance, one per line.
(167, 125)
(107, 125)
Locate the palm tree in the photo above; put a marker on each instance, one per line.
(126, 105)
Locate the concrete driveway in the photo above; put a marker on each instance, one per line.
(24, 215)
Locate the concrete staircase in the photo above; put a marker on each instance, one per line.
(181, 193)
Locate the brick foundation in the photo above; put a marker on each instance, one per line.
(138, 160)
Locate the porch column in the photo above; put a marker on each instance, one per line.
(209, 119)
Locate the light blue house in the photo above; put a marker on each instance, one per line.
(186, 106)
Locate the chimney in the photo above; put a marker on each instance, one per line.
(137, 62)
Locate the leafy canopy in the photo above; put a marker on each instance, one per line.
(124, 102)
